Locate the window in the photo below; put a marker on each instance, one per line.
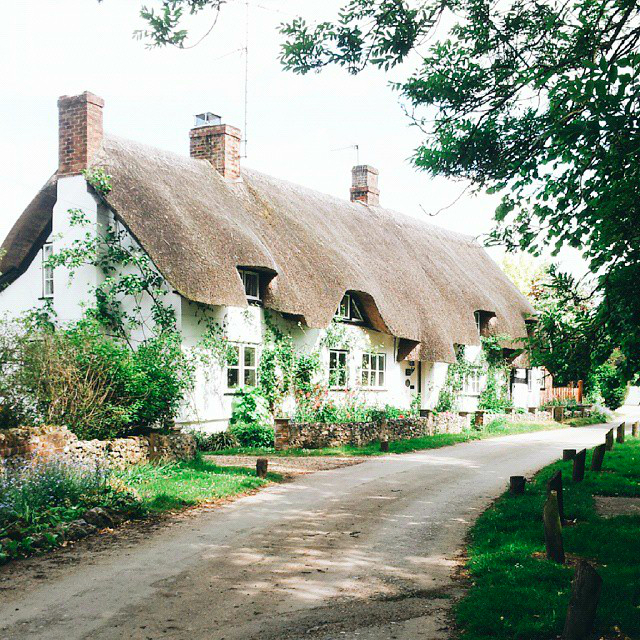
(337, 368)
(529, 379)
(243, 372)
(373, 369)
(476, 315)
(47, 272)
(251, 281)
(473, 383)
(349, 310)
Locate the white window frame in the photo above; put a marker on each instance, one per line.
(247, 278)
(529, 379)
(243, 368)
(473, 383)
(340, 355)
(47, 272)
(348, 310)
(374, 370)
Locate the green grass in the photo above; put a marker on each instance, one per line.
(517, 596)
(491, 430)
(598, 418)
(163, 487)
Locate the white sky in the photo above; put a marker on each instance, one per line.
(55, 47)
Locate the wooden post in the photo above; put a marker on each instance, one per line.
(609, 440)
(384, 445)
(578, 465)
(580, 391)
(516, 485)
(585, 593)
(598, 457)
(568, 454)
(620, 433)
(553, 529)
(555, 484)
(262, 465)
(635, 429)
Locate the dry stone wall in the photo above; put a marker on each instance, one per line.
(44, 441)
(315, 435)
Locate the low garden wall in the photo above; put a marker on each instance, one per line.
(43, 441)
(314, 435)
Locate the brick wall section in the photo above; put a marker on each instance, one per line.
(44, 441)
(220, 145)
(80, 131)
(364, 185)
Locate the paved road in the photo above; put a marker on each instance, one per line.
(361, 552)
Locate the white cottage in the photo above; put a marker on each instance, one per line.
(236, 244)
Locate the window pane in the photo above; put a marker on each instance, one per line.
(343, 310)
(381, 362)
(249, 357)
(365, 360)
(333, 359)
(232, 377)
(355, 311)
(250, 377)
(342, 359)
(381, 379)
(365, 378)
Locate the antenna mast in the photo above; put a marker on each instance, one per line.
(246, 73)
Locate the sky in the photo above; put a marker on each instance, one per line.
(300, 128)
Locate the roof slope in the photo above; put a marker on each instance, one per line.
(416, 281)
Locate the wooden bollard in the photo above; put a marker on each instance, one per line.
(585, 593)
(517, 484)
(262, 464)
(384, 445)
(620, 433)
(555, 484)
(609, 440)
(635, 429)
(598, 457)
(578, 466)
(568, 454)
(553, 529)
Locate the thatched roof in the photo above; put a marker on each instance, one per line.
(415, 281)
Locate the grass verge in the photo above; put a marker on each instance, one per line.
(491, 430)
(162, 487)
(517, 593)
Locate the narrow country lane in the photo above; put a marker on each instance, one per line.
(360, 552)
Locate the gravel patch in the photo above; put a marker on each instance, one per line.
(290, 466)
(609, 507)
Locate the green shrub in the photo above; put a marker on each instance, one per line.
(249, 407)
(252, 434)
(214, 441)
(98, 386)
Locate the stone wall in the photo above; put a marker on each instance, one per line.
(536, 415)
(43, 441)
(315, 435)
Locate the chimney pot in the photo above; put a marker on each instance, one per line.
(364, 185)
(218, 143)
(80, 131)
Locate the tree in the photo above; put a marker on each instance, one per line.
(538, 100)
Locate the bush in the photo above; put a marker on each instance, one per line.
(96, 385)
(214, 441)
(252, 434)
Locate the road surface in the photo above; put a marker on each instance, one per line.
(362, 552)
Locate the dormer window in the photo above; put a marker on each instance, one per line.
(348, 311)
(483, 322)
(251, 282)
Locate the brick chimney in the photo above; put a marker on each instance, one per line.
(364, 185)
(80, 131)
(218, 143)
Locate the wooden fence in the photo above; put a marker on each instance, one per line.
(571, 392)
